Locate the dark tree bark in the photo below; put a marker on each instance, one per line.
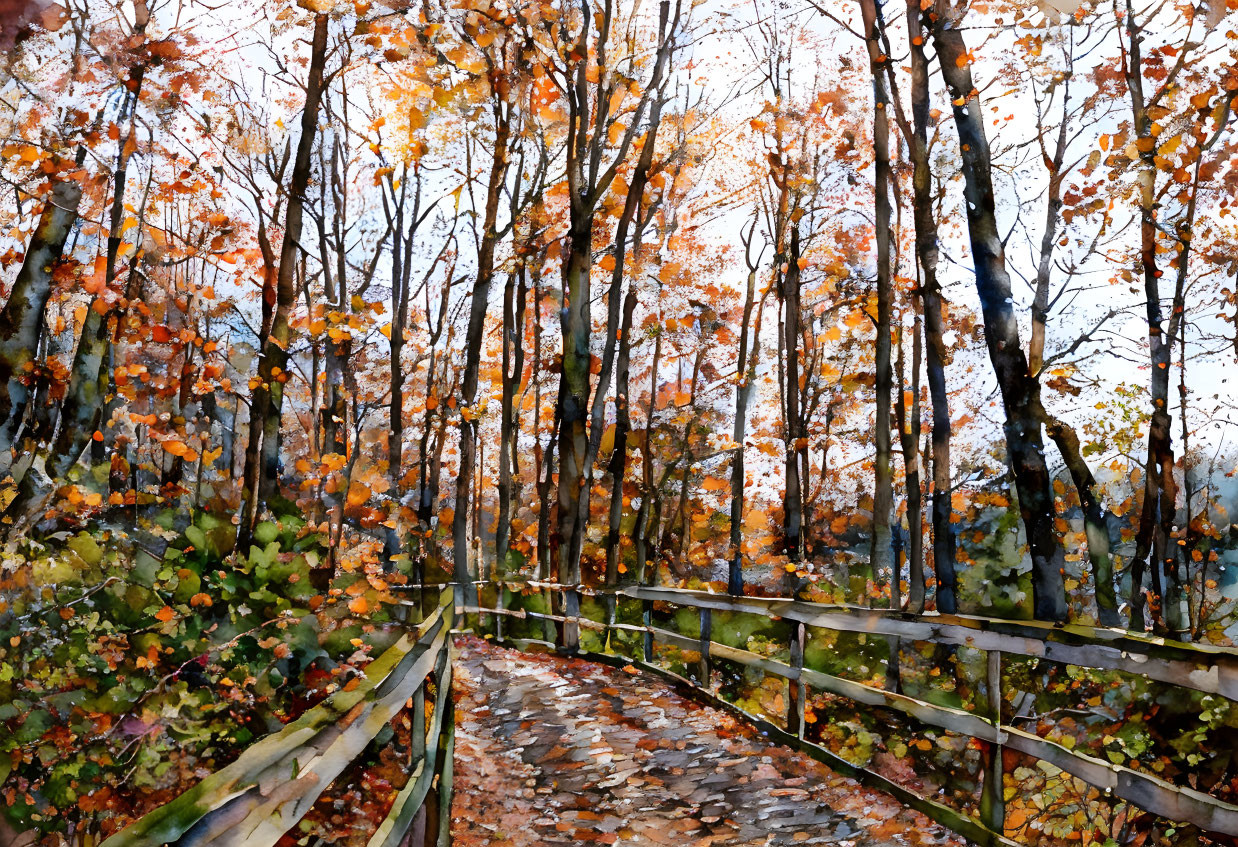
(434, 422)
(21, 320)
(614, 295)
(614, 298)
(401, 277)
(515, 296)
(1153, 546)
(909, 441)
(618, 465)
(1024, 442)
(685, 459)
(251, 472)
(883, 491)
(588, 180)
(479, 301)
(530, 259)
(572, 408)
(915, 132)
(266, 410)
(543, 458)
(339, 382)
(745, 374)
(82, 411)
(403, 224)
(174, 471)
(646, 514)
(796, 435)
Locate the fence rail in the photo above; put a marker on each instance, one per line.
(276, 781)
(1202, 667)
(1205, 668)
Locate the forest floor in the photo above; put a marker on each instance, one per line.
(551, 750)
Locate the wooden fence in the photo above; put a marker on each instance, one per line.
(1203, 668)
(276, 781)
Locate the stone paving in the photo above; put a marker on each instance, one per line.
(551, 750)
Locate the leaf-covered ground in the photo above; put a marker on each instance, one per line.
(552, 750)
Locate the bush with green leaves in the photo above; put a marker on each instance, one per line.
(129, 672)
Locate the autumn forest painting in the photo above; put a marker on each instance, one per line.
(636, 422)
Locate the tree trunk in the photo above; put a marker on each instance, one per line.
(1024, 443)
(641, 540)
(631, 206)
(883, 493)
(1160, 494)
(402, 244)
(589, 125)
(909, 440)
(82, 411)
(1176, 588)
(745, 373)
(929, 289)
(251, 472)
(479, 302)
(1095, 526)
(543, 458)
(273, 359)
(686, 458)
(618, 465)
(796, 437)
(514, 302)
(21, 320)
(393, 543)
(335, 419)
(573, 408)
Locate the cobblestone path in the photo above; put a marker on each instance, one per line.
(552, 750)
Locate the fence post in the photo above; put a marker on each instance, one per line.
(647, 620)
(438, 802)
(992, 800)
(499, 606)
(706, 636)
(445, 781)
(417, 749)
(549, 630)
(571, 628)
(417, 829)
(611, 601)
(894, 681)
(796, 690)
